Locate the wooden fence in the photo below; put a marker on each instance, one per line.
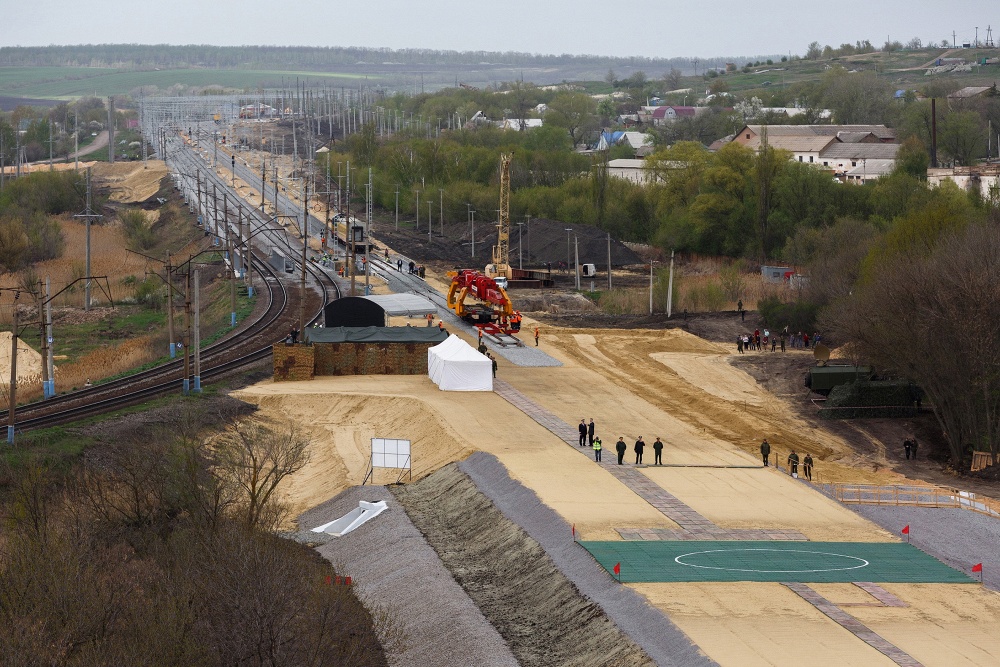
(981, 460)
(921, 496)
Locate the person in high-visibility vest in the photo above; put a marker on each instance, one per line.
(597, 449)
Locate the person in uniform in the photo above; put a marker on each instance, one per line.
(494, 360)
(639, 446)
(658, 452)
(807, 467)
(793, 464)
(583, 432)
(597, 449)
(621, 448)
(590, 430)
(765, 451)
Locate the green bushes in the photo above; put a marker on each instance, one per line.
(137, 229)
(797, 316)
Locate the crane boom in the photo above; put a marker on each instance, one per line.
(501, 251)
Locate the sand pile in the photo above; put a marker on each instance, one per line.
(29, 362)
(131, 182)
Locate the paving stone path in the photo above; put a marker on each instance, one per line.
(693, 526)
(853, 625)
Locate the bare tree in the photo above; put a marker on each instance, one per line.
(256, 458)
(932, 319)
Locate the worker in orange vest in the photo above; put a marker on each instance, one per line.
(536, 336)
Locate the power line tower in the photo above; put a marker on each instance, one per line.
(989, 38)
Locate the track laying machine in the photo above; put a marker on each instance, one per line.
(490, 306)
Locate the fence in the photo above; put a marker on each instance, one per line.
(921, 496)
(981, 460)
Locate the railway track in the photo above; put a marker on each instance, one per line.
(244, 347)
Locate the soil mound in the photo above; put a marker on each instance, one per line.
(536, 609)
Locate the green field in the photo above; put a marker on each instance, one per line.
(73, 82)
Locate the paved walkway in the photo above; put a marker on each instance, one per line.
(693, 526)
(853, 625)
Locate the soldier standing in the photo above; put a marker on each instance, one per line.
(765, 451)
(658, 452)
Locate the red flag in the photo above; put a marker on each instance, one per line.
(906, 529)
(978, 567)
(618, 568)
(574, 531)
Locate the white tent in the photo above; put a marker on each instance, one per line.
(454, 365)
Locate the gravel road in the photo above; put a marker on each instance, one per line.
(960, 538)
(647, 626)
(396, 571)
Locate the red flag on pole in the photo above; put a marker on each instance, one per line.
(906, 529)
(978, 567)
(618, 568)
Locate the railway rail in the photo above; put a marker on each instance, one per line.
(243, 347)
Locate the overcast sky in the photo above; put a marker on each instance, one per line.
(661, 28)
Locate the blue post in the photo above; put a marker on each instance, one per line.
(232, 321)
(197, 383)
(52, 388)
(173, 350)
(187, 387)
(250, 291)
(10, 435)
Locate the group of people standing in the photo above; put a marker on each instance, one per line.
(793, 461)
(757, 341)
(587, 436)
(910, 448)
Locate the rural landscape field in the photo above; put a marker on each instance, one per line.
(321, 355)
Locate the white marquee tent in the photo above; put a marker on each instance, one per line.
(454, 365)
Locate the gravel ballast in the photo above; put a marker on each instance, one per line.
(535, 608)
(395, 571)
(644, 624)
(957, 537)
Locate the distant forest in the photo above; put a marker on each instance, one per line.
(145, 56)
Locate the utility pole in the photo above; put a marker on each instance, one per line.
(520, 227)
(568, 230)
(12, 405)
(418, 211)
(368, 226)
(650, 285)
(232, 262)
(576, 256)
(76, 142)
(263, 183)
(670, 285)
(111, 132)
(430, 221)
(186, 343)
(170, 308)
(609, 261)
(49, 357)
(441, 210)
(87, 215)
(196, 343)
(305, 243)
(45, 344)
(397, 208)
(472, 225)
